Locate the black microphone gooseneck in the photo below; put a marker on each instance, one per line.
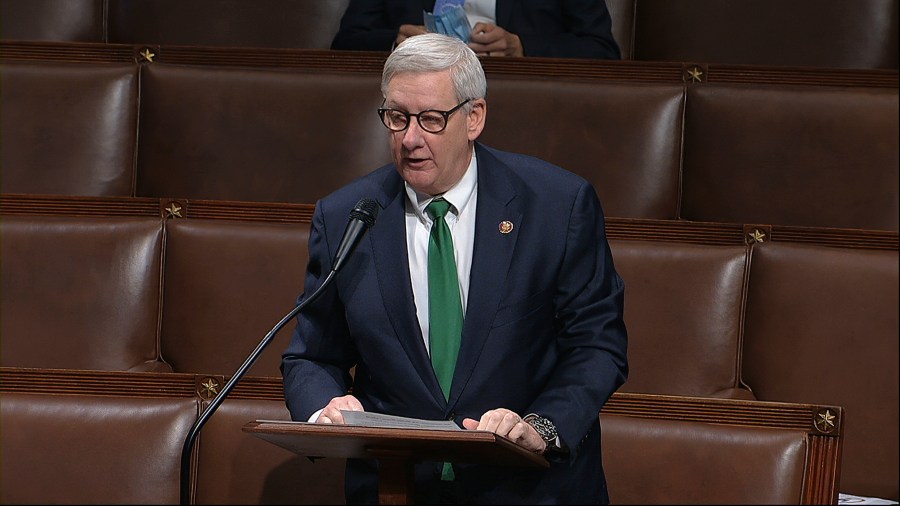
(362, 217)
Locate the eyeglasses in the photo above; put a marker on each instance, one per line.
(431, 121)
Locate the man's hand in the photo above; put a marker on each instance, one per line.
(491, 40)
(407, 31)
(508, 424)
(332, 412)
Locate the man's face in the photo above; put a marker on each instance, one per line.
(432, 163)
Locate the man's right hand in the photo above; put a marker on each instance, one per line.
(332, 412)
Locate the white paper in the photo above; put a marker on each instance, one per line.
(367, 419)
(855, 499)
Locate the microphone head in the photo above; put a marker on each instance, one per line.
(366, 210)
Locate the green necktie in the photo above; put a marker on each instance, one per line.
(445, 315)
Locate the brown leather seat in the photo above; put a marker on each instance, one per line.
(92, 449)
(805, 156)
(686, 299)
(683, 462)
(227, 283)
(53, 20)
(81, 292)
(624, 138)
(307, 24)
(235, 467)
(68, 129)
(814, 33)
(256, 135)
(821, 326)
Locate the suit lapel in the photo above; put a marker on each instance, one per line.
(491, 258)
(392, 268)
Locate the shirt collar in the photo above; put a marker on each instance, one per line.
(458, 196)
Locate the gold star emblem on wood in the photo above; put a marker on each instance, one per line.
(208, 388)
(174, 211)
(757, 236)
(147, 54)
(825, 421)
(695, 74)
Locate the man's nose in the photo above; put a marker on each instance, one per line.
(413, 135)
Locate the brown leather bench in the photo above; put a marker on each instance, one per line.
(53, 20)
(623, 137)
(114, 437)
(91, 449)
(813, 33)
(81, 292)
(808, 156)
(68, 129)
(743, 152)
(257, 23)
(688, 300)
(256, 135)
(228, 282)
(688, 450)
(821, 325)
(705, 262)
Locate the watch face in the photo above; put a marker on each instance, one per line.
(544, 427)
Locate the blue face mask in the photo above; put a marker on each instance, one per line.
(449, 19)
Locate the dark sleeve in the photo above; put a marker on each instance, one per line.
(568, 29)
(316, 364)
(372, 25)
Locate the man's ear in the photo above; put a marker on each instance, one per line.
(476, 118)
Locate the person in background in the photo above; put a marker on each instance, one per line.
(485, 294)
(546, 28)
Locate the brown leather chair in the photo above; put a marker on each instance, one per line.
(309, 24)
(68, 129)
(227, 284)
(650, 461)
(236, 468)
(814, 33)
(686, 299)
(624, 138)
(53, 20)
(81, 292)
(92, 449)
(256, 135)
(804, 156)
(821, 326)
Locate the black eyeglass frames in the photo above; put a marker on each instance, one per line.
(431, 121)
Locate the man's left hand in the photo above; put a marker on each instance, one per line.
(508, 424)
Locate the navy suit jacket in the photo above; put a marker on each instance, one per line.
(548, 28)
(543, 331)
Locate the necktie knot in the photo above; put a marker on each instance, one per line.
(438, 208)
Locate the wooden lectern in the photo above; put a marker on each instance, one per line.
(398, 449)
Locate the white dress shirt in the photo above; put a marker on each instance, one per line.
(481, 11)
(461, 221)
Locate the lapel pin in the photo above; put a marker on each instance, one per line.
(506, 227)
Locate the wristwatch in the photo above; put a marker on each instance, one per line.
(543, 426)
(555, 450)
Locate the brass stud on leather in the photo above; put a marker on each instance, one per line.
(757, 236)
(826, 421)
(174, 211)
(208, 388)
(695, 74)
(147, 54)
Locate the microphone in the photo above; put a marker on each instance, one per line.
(362, 217)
